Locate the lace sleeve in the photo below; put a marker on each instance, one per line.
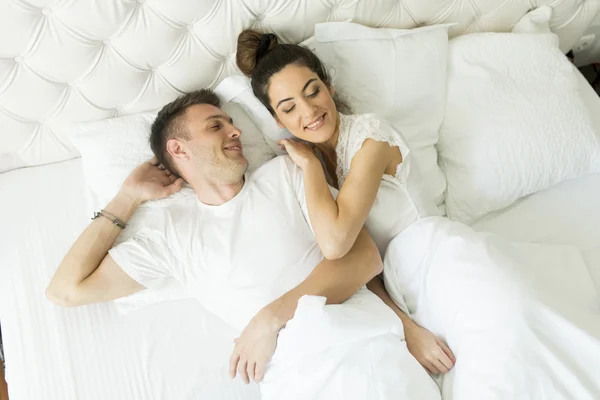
(354, 130)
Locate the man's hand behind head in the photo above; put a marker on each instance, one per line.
(150, 181)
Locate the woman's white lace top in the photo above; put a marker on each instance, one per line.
(401, 198)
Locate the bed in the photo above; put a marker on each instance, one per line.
(176, 349)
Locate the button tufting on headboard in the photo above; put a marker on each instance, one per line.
(64, 61)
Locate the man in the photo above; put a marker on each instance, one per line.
(243, 245)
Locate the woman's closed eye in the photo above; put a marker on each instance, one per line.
(314, 94)
(310, 96)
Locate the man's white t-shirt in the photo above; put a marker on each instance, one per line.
(237, 257)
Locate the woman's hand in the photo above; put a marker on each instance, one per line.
(430, 351)
(301, 154)
(150, 181)
(254, 348)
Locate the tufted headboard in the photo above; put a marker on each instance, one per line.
(77, 60)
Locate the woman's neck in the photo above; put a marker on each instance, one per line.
(328, 153)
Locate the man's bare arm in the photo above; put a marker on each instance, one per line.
(87, 273)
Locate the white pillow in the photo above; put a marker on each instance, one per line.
(238, 90)
(112, 148)
(515, 122)
(535, 21)
(398, 74)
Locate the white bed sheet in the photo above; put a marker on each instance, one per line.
(172, 350)
(565, 214)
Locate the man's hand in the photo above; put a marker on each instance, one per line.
(255, 347)
(430, 351)
(301, 154)
(150, 181)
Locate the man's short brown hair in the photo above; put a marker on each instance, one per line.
(168, 124)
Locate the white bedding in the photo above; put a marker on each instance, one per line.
(522, 318)
(128, 57)
(172, 350)
(567, 214)
(176, 350)
(351, 352)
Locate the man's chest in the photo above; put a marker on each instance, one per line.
(256, 244)
(235, 266)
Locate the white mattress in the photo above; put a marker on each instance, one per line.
(172, 350)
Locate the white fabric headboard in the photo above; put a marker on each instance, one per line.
(79, 60)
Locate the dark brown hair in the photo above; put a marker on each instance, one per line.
(260, 56)
(168, 124)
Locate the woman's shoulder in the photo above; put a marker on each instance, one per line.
(359, 127)
(367, 123)
(359, 118)
(355, 130)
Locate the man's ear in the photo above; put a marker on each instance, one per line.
(176, 150)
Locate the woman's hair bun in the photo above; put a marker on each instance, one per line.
(252, 46)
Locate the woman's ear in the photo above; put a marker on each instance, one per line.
(278, 122)
(331, 90)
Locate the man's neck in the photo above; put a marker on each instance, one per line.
(216, 194)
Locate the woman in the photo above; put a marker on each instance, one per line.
(366, 159)
(488, 296)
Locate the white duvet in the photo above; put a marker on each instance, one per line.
(351, 351)
(521, 318)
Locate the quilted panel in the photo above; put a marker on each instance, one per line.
(81, 60)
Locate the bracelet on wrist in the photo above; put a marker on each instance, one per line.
(115, 221)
